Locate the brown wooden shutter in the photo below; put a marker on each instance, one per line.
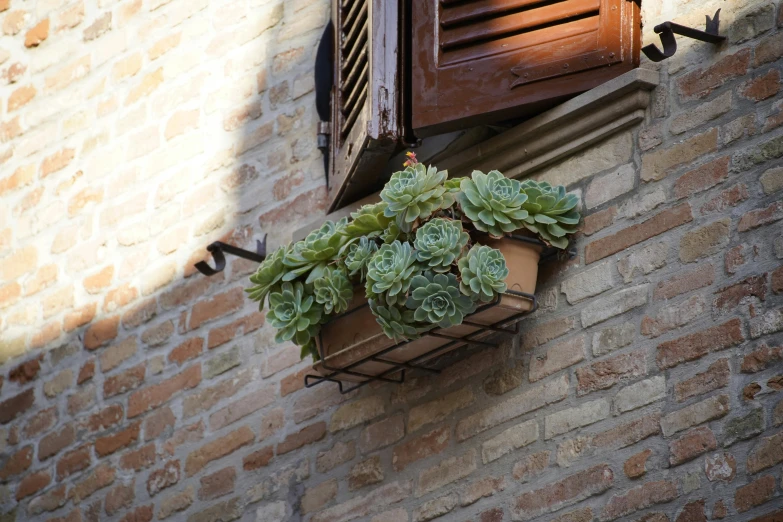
(365, 96)
(477, 61)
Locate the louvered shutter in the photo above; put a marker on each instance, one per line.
(365, 96)
(477, 61)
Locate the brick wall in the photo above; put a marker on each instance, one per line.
(647, 387)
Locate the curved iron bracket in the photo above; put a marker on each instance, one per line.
(667, 30)
(219, 249)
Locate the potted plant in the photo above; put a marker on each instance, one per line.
(432, 262)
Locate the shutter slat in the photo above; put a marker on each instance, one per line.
(517, 22)
(354, 55)
(485, 8)
(351, 117)
(353, 10)
(352, 96)
(353, 33)
(351, 77)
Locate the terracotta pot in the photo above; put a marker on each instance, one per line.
(356, 335)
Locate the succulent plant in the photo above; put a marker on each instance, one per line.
(483, 271)
(552, 212)
(333, 290)
(268, 276)
(397, 323)
(369, 221)
(390, 271)
(439, 242)
(359, 254)
(415, 193)
(294, 313)
(314, 251)
(436, 299)
(493, 202)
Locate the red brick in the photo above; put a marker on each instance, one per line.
(658, 224)
(218, 306)
(294, 382)
(217, 484)
(163, 478)
(754, 494)
(79, 317)
(697, 345)
(101, 332)
(720, 466)
(728, 298)
(101, 477)
(702, 178)
(49, 501)
(40, 422)
(139, 459)
(734, 258)
(761, 87)
(694, 443)
(608, 372)
(130, 379)
(715, 377)
(56, 162)
(634, 467)
(565, 492)
(16, 405)
(243, 326)
(32, 484)
(56, 441)
(111, 443)
(26, 372)
(119, 297)
(777, 281)
(772, 516)
(87, 372)
(701, 82)
(419, 448)
(640, 497)
(598, 221)
(306, 435)
(104, 419)
(221, 447)
(767, 453)
(258, 459)
(17, 463)
(760, 217)
(187, 293)
(730, 197)
(157, 422)
(241, 408)
(120, 497)
(628, 433)
(140, 313)
(73, 461)
(692, 512)
(685, 282)
(140, 514)
(761, 358)
(186, 351)
(157, 394)
(190, 433)
(304, 205)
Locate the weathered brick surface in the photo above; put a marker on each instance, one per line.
(188, 122)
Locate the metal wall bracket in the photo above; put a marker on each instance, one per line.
(219, 249)
(668, 29)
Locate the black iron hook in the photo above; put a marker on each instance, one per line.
(218, 248)
(667, 30)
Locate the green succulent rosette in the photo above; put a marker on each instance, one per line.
(294, 313)
(369, 221)
(333, 290)
(436, 299)
(312, 253)
(552, 214)
(439, 242)
(268, 276)
(493, 202)
(390, 271)
(415, 193)
(397, 323)
(359, 254)
(483, 272)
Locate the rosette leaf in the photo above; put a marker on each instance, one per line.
(294, 313)
(439, 242)
(369, 221)
(493, 202)
(268, 276)
(436, 299)
(483, 271)
(359, 254)
(314, 251)
(415, 193)
(397, 323)
(333, 290)
(390, 271)
(552, 213)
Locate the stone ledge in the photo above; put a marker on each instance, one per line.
(547, 138)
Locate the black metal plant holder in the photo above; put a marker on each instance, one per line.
(668, 29)
(219, 249)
